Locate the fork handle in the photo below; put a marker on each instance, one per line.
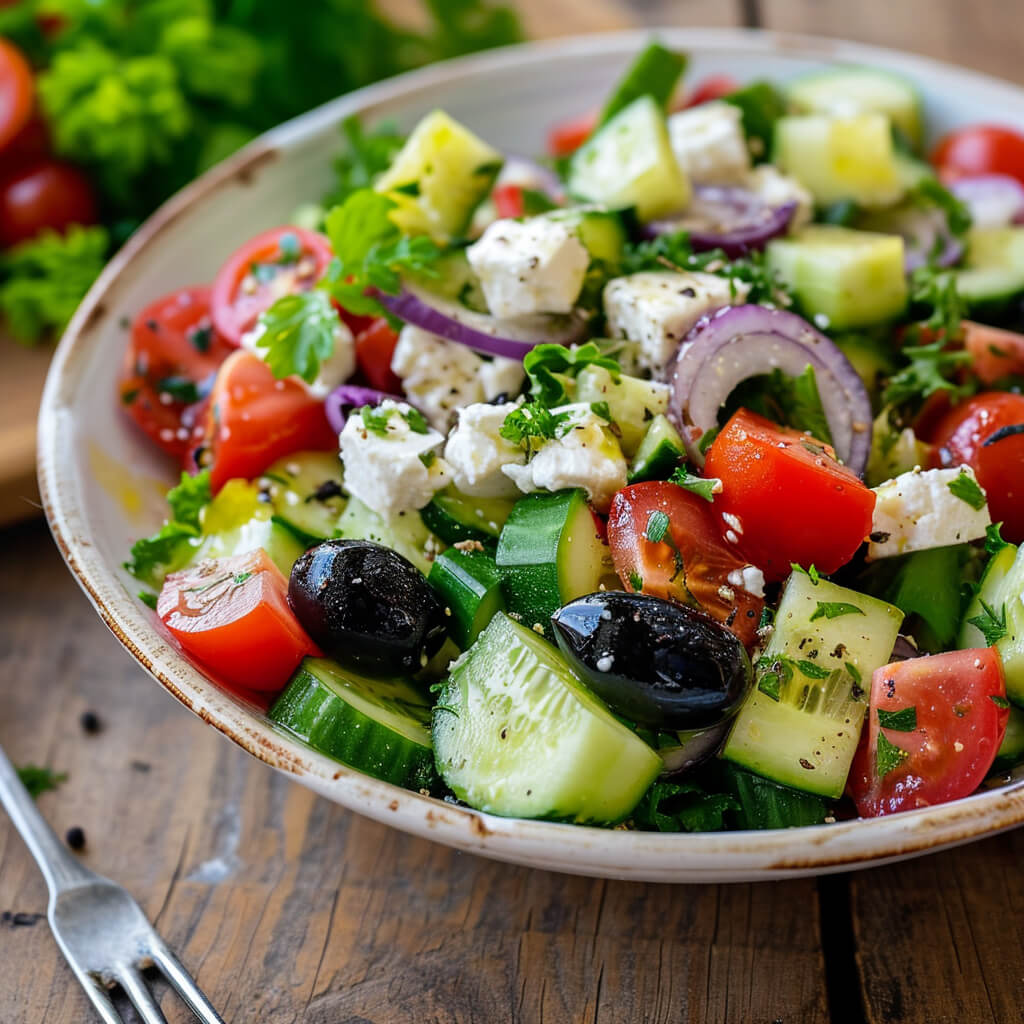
(59, 867)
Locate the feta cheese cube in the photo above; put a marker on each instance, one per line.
(656, 309)
(532, 266)
(393, 468)
(918, 510)
(334, 370)
(776, 188)
(477, 453)
(584, 454)
(500, 376)
(709, 143)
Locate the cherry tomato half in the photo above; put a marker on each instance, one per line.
(714, 87)
(987, 433)
(947, 735)
(48, 194)
(980, 149)
(691, 564)
(567, 136)
(253, 419)
(785, 498)
(508, 201)
(278, 262)
(375, 347)
(995, 353)
(232, 615)
(170, 365)
(17, 92)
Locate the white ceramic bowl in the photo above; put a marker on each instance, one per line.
(102, 485)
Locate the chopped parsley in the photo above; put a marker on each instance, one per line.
(1000, 702)
(888, 757)
(834, 609)
(189, 497)
(181, 389)
(966, 488)
(532, 421)
(811, 572)
(428, 458)
(299, 334)
(813, 670)
(854, 672)
(548, 365)
(991, 625)
(375, 420)
(148, 598)
(670, 806)
(994, 542)
(790, 401)
(705, 487)
(904, 720)
(39, 780)
(707, 439)
(636, 581)
(601, 409)
(657, 532)
(657, 527)
(417, 421)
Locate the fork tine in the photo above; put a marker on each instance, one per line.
(100, 999)
(135, 989)
(186, 987)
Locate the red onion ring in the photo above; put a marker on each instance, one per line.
(994, 200)
(509, 338)
(342, 400)
(734, 343)
(518, 170)
(727, 217)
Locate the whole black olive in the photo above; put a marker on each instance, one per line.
(367, 606)
(658, 664)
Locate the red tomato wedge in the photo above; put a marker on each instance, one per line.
(170, 365)
(567, 136)
(980, 149)
(785, 498)
(253, 419)
(375, 347)
(508, 201)
(987, 433)
(232, 615)
(690, 565)
(44, 195)
(714, 87)
(278, 262)
(951, 714)
(995, 353)
(17, 92)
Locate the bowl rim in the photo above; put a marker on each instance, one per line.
(714, 856)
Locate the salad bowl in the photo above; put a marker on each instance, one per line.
(102, 486)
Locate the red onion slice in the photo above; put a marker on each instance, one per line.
(995, 200)
(727, 217)
(342, 400)
(450, 319)
(518, 170)
(731, 344)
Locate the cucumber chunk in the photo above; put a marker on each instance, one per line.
(629, 162)
(653, 73)
(454, 516)
(601, 231)
(406, 533)
(845, 91)
(470, 585)
(438, 177)
(1011, 750)
(377, 726)
(993, 272)
(549, 553)
(801, 723)
(306, 494)
(517, 734)
(840, 158)
(851, 278)
(632, 402)
(659, 453)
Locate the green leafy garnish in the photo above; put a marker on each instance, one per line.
(657, 527)
(417, 421)
(39, 780)
(904, 720)
(930, 191)
(368, 154)
(854, 671)
(707, 439)
(532, 422)
(1000, 702)
(428, 458)
(966, 488)
(683, 807)
(148, 598)
(811, 572)
(189, 497)
(812, 670)
(790, 401)
(705, 487)
(375, 420)
(888, 757)
(636, 581)
(834, 609)
(992, 625)
(298, 334)
(994, 542)
(544, 363)
(657, 532)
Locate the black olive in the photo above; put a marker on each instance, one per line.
(367, 606)
(658, 664)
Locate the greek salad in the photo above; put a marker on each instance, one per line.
(673, 481)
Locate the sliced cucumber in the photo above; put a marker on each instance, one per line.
(601, 231)
(846, 91)
(632, 402)
(454, 516)
(653, 73)
(470, 585)
(377, 726)
(850, 278)
(659, 453)
(801, 723)
(438, 177)
(517, 734)
(306, 494)
(840, 158)
(871, 357)
(766, 804)
(993, 273)
(549, 553)
(406, 533)
(1011, 750)
(629, 162)
(892, 451)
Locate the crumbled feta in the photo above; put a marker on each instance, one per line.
(917, 510)
(396, 471)
(477, 452)
(334, 370)
(776, 188)
(586, 455)
(749, 578)
(656, 309)
(441, 376)
(531, 266)
(709, 143)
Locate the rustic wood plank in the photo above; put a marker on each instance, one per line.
(289, 908)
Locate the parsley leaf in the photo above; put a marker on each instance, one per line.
(834, 609)
(966, 488)
(39, 780)
(904, 720)
(791, 401)
(148, 598)
(376, 420)
(367, 155)
(991, 625)
(930, 191)
(151, 556)
(636, 581)
(657, 527)
(1000, 702)
(544, 363)
(682, 807)
(888, 757)
(812, 572)
(298, 334)
(417, 421)
(705, 487)
(813, 670)
(994, 542)
(532, 421)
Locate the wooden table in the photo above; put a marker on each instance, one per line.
(290, 909)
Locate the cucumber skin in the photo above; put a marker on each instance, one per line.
(654, 73)
(659, 453)
(328, 724)
(469, 583)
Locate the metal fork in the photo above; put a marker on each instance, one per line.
(99, 928)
